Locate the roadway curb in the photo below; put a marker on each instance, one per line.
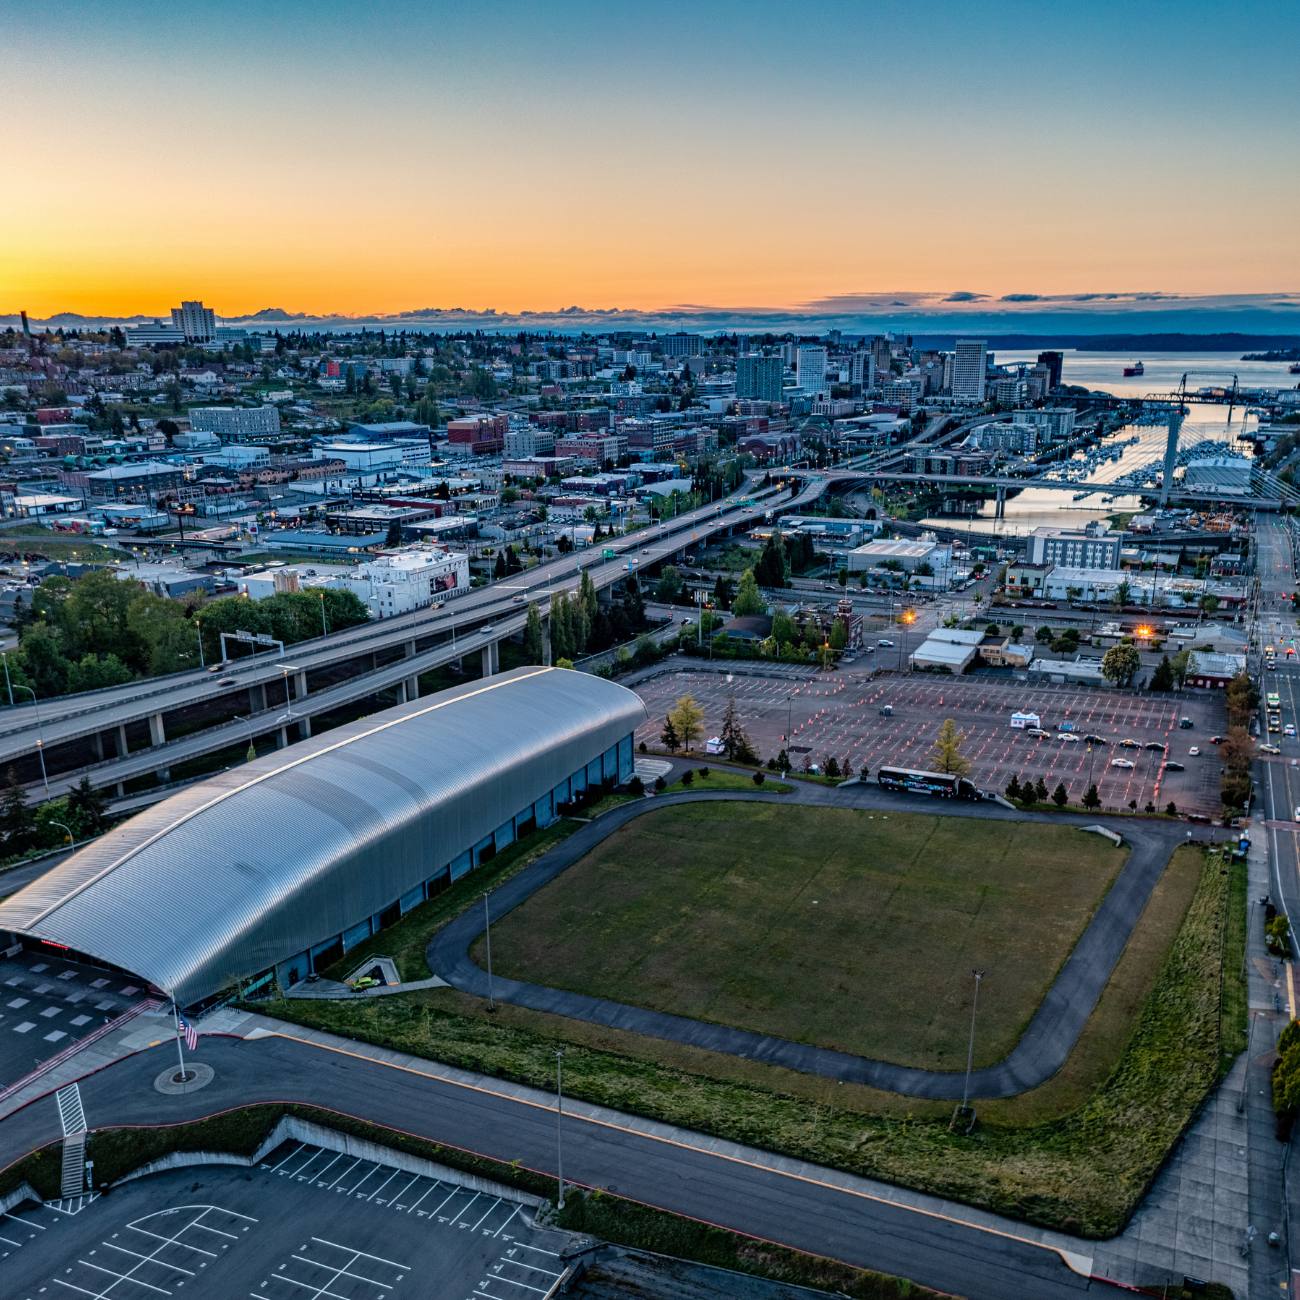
(1067, 1248)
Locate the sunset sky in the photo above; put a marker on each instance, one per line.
(331, 157)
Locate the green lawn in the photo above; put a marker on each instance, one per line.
(823, 925)
(718, 780)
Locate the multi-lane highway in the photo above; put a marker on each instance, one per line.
(278, 686)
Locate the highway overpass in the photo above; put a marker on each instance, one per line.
(383, 655)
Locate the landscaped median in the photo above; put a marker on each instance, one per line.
(1075, 1154)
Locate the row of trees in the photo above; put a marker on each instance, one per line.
(581, 625)
(684, 724)
(101, 630)
(24, 828)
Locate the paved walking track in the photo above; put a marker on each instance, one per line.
(1036, 1057)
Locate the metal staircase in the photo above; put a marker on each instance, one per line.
(73, 1119)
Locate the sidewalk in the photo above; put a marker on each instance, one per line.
(1226, 1175)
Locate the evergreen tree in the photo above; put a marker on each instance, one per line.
(770, 569)
(1163, 677)
(1013, 789)
(394, 537)
(89, 803)
(499, 568)
(1092, 799)
(1060, 796)
(669, 738)
(1040, 791)
(533, 640)
(587, 594)
(16, 817)
(783, 762)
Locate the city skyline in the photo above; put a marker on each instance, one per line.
(328, 161)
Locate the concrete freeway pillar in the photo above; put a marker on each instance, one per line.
(123, 749)
(410, 648)
(257, 698)
(97, 746)
(304, 728)
(546, 642)
(488, 658)
(412, 689)
(282, 738)
(300, 685)
(496, 657)
(157, 736)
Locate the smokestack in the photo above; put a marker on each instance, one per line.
(26, 328)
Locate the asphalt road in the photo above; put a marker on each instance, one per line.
(806, 1215)
(1038, 1055)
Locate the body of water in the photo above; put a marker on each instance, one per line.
(1104, 371)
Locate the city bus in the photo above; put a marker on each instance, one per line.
(936, 783)
(1274, 701)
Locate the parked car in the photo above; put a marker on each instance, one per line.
(1173, 767)
(1156, 744)
(1121, 762)
(1129, 744)
(1185, 723)
(1069, 739)
(1194, 751)
(1096, 740)
(889, 644)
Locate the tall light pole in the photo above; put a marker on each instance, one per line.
(487, 930)
(40, 735)
(970, 1050)
(559, 1111)
(8, 686)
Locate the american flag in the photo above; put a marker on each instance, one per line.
(191, 1034)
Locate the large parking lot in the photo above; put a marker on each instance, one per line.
(840, 715)
(306, 1223)
(46, 1005)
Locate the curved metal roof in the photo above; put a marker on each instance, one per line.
(248, 868)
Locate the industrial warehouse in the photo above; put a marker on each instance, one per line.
(276, 868)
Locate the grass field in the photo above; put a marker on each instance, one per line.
(1074, 1154)
(822, 925)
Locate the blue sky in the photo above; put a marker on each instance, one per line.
(333, 157)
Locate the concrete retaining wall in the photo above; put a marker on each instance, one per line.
(290, 1128)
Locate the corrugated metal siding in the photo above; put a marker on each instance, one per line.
(251, 867)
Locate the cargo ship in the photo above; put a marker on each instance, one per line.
(1137, 368)
(1295, 367)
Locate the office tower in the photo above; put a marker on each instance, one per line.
(681, 345)
(197, 322)
(811, 369)
(758, 377)
(968, 369)
(1052, 360)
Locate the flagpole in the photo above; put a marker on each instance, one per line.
(180, 1055)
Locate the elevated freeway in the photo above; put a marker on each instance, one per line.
(391, 653)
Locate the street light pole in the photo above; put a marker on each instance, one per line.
(8, 687)
(970, 1050)
(559, 1111)
(487, 930)
(40, 735)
